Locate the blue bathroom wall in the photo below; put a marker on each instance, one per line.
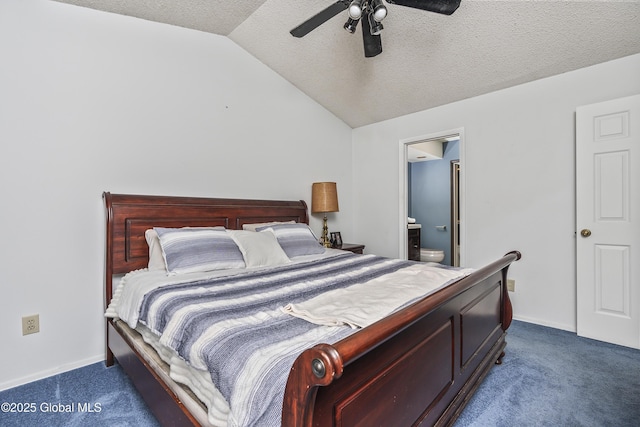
(430, 199)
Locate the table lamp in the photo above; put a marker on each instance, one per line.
(324, 199)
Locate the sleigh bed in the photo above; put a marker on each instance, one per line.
(418, 365)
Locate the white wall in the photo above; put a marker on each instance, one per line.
(91, 101)
(519, 180)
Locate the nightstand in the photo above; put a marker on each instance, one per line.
(356, 248)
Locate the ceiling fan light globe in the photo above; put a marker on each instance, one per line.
(379, 10)
(380, 14)
(355, 9)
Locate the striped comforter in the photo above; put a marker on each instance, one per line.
(234, 327)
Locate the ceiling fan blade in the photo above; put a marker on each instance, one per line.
(372, 43)
(320, 18)
(445, 7)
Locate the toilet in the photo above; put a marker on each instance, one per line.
(431, 255)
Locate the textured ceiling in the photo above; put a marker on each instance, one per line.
(427, 59)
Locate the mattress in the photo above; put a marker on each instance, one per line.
(161, 367)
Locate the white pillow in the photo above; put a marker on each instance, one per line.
(252, 227)
(156, 260)
(259, 249)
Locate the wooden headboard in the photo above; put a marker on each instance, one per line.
(129, 216)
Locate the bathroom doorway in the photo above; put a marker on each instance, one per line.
(432, 194)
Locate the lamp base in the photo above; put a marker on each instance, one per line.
(324, 240)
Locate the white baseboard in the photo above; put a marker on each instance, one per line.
(568, 328)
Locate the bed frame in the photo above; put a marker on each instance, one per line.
(419, 365)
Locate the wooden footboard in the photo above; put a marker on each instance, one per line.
(417, 366)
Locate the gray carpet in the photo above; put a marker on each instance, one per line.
(90, 396)
(554, 378)
(548, 378)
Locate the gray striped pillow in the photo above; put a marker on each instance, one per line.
(295, 239)
(187, 250)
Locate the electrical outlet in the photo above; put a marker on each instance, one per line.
(30, 324)
(511, 285)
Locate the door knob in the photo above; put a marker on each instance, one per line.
(585, 232)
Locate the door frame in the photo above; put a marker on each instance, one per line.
(404, 185)
(455, 212)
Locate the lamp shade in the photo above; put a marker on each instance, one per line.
(324, 197)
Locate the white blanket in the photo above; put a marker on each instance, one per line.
(171, 301)
(362, 304)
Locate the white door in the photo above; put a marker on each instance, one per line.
(608, 221)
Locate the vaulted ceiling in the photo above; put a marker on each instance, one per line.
(427, 60)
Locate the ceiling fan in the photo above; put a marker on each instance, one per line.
(371, 13)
